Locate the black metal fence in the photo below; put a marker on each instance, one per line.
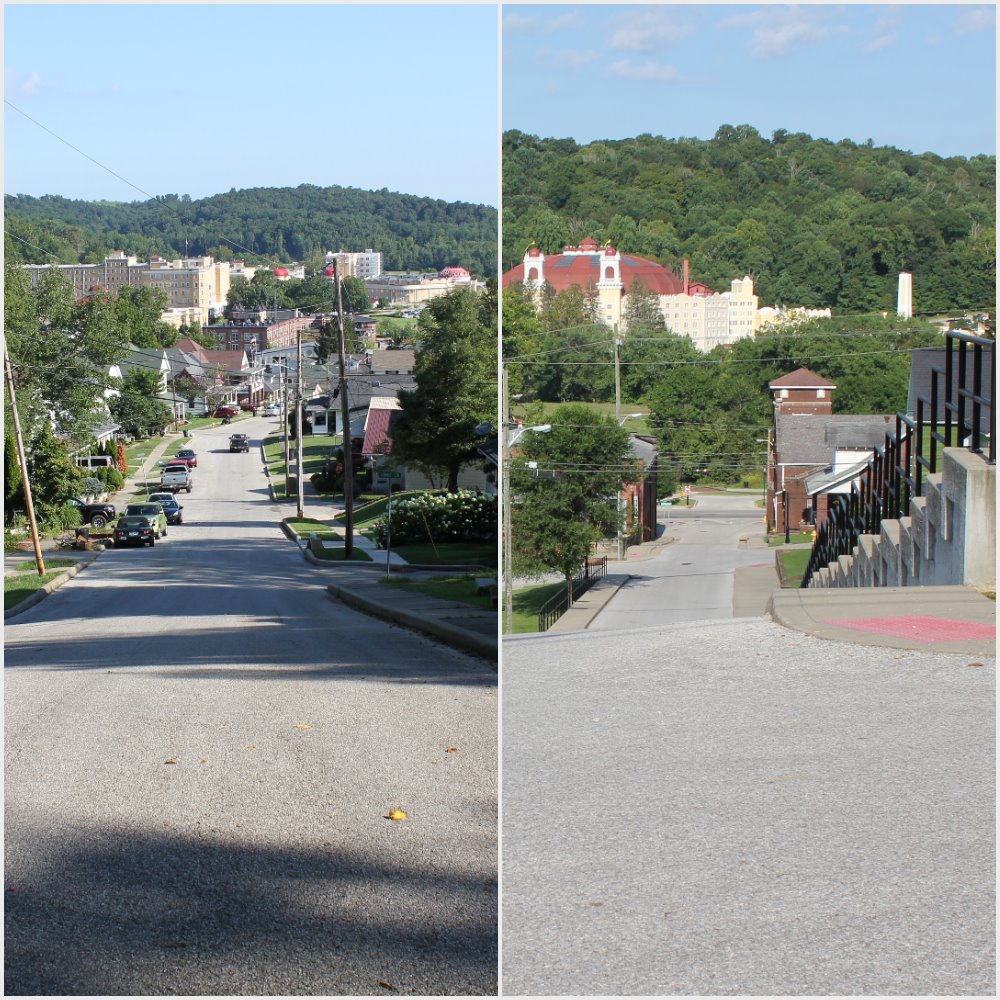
(592, 570)
(960, 416)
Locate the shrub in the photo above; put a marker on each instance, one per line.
(63, 517)
(464, 516)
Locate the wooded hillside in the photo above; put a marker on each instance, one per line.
(278, 224)
(816, 223)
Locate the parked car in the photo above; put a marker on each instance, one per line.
(227, 411)
(239, 442)
(96, 514)
(153, 513)
(134, 530)
(249, 408)
(186, 456)
(172, 509)
(272, 410)
(176, 477)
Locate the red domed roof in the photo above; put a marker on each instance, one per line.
(564, 270)
(281, 272)
(454, 272)
(329, 272)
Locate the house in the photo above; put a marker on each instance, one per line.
(638, 498)
(813, 452)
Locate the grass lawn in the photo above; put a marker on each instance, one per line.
(304, 527)
(315, 452)
(467, 554)
(527, 602)
(460, 589)
(795, 538)
(793, 566)
(335, 554)
(139, 450)
(28, 566)
(21, 587)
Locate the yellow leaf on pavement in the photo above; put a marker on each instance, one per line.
(396, 814)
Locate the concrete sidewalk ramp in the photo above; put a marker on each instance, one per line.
(944, 619)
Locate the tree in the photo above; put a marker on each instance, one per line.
(354, 294)
(556, 521)
(455, 371)
(137, 406)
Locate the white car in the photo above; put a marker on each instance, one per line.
(272, 410)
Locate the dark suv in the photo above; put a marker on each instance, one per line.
(97, 514)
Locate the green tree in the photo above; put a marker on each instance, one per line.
(569, 501)
(455, 371)
(137, 407)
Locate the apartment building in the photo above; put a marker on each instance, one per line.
(366, 265)
(197, 285)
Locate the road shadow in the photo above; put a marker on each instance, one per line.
(140, 913)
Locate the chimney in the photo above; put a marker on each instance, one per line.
(687, 276)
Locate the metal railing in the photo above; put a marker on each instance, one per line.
(592, 570)
(895, 472)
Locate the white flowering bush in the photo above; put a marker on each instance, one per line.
(465, 516)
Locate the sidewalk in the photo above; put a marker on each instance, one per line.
(942, 619)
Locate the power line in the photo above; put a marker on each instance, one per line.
(77, 150)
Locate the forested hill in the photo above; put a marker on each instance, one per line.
(279, 224)
(816, 223)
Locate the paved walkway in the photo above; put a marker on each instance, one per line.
(945, 619)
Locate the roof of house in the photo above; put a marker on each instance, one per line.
(378, 428)
(643, 447)
(824, 480)
(812, 438)
(801, 378)
(400, 360)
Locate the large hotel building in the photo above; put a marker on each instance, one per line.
(196, 287)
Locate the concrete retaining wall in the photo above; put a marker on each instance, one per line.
(949, 538)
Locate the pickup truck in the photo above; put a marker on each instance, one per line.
(176, 478)
(239, 442)
(97, 514)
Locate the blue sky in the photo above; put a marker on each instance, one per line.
(917, 77)
(192, 99)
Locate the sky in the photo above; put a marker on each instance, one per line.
(198, 99)
(917, 77)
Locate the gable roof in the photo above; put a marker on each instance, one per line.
(801, 378)
(812, 438)
(382, 414)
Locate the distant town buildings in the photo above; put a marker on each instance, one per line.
(366, 265)
(414, 289)
(194, 286)
(608, 276)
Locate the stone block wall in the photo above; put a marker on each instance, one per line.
(949, 539)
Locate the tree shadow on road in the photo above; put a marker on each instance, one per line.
(133, 912)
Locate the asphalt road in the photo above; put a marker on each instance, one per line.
(732, 808)
(201, 750)
(692, 578)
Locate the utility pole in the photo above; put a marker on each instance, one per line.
(618, 379)
(505, 499)
(22, 461)
(345, 412)
(298, 424)
(284, 415)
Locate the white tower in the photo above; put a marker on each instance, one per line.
(904, 298)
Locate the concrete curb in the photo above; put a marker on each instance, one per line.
(453, 635)
(590, 604)
(39, 595)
